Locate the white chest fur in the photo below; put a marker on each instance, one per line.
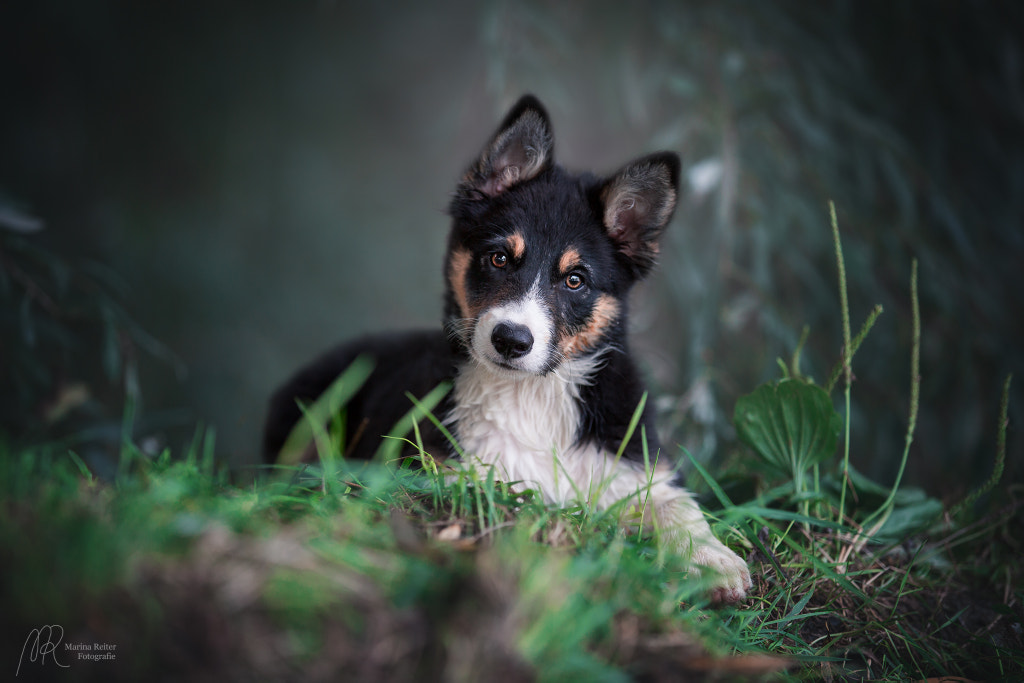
(526, 427)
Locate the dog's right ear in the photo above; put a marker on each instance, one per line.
(521, 149)
(638, 203)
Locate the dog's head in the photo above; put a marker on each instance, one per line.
(540, 260)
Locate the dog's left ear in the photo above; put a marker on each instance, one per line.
(638, 202)
(520, 150)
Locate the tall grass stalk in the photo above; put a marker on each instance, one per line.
(915, 394)
(847, 355)
(997, 470)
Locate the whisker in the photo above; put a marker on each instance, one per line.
(459, 329)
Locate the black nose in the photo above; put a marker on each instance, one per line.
(512, 340)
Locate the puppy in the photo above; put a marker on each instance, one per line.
(539, 266)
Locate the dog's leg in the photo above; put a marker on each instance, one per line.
(677, 519)
(681, 524)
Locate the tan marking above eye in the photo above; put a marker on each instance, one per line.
(517, 245)
(499, 259)
(570, 259)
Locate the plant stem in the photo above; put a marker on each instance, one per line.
(915, 393)
(997, 470)
(847, 355)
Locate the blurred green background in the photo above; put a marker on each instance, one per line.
(262, 180)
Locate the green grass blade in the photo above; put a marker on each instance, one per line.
(391, 446)
(320, 412)
(633, 422)
(715, 488)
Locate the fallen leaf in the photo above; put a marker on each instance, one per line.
(450, 533)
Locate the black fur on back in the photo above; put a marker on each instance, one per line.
(414, 362)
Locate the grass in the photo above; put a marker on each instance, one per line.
(401, 573)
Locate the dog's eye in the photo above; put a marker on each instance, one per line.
(574, 281)
(499, 259)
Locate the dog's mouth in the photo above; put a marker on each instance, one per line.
(495, 361)
(505, 365)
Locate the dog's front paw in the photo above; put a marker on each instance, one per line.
(731, 576)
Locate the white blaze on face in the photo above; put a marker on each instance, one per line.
(530, 311)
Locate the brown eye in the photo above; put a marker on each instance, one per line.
(573, 281)
(499, 259)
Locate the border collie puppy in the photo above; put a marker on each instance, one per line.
(538, 271)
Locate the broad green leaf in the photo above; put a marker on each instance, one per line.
(790, 423)
(871, 493)
(905, 521)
